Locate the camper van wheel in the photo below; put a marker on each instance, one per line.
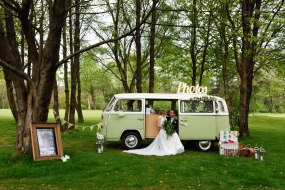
(204, 145)
(131, 140)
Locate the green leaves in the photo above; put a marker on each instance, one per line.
(169, 128)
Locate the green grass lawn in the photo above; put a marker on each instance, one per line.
(117, 170)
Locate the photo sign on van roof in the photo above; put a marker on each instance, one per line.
(184, 88)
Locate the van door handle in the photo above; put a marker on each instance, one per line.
(141, 119)
(184, 120)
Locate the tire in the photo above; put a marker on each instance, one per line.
(131, 140)
(204, 145)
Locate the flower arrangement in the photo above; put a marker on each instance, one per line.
(204, 98)
(168, 127)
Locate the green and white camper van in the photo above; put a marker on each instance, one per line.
(131, 118)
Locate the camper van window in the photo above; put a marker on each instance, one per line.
(110, 105)
(208, 107)
(196, 106)
(221, 106)
(128, 106)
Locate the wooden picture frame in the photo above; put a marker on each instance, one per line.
(46, 141)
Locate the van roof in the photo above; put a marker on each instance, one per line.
(163, 96)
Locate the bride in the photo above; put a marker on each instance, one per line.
(162, 145)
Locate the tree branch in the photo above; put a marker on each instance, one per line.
(11, 4)
(15, 71)
(107, 41)
(271, 21)
(176, 25)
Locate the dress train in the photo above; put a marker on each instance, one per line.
(161, 145)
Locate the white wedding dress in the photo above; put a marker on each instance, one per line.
(161, 145)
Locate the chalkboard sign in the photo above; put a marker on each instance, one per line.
(46, 141)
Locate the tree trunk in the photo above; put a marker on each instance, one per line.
(72, 97)
(250, 10)
(73, 79)
(193, 44)
(2, 100)
(93, 98)
(225, 71)
(22, 143)
(245, 95)
(10, 94)
(78, 105)
(272, 105)
(152, 50)
(205, 50)
(11, 36)
(77, 60)
(56, 105)
(244, 69)
(138, 47)
(88, 103)
(66, 87)
(224, 46)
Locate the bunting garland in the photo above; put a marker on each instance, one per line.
(69, 125)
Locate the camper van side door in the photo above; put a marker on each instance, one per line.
(197, 120)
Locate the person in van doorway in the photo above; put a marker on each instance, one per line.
(174, 120)
(161, 119)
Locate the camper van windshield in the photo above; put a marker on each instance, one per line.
(110, 105)
(127, 105)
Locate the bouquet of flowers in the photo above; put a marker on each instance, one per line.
(168, 127)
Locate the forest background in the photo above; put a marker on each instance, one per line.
(76, 54)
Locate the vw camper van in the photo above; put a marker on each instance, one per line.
(132, 117)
